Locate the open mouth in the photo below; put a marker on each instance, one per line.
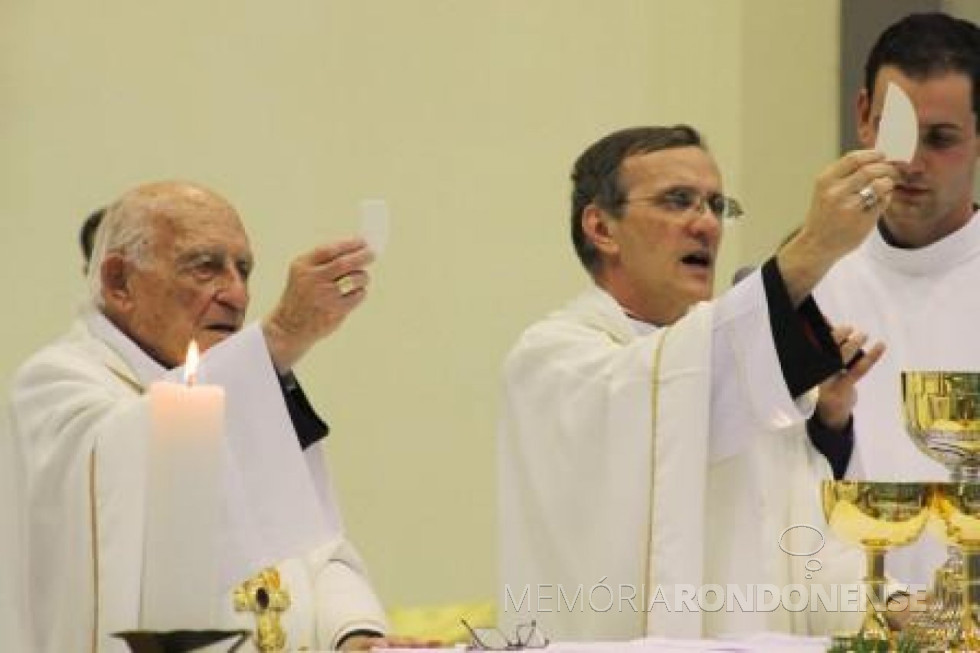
(224, 329)
(698, 259)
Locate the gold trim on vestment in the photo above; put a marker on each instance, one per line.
(93, 517)
(654, 413)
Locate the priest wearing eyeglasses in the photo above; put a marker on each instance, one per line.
(646, 442)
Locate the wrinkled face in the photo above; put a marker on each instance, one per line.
(664, 257)
(195, 285)
(935, 194)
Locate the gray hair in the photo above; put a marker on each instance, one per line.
(126, 229)
(130, 225)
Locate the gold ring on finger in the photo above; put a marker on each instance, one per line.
(345, 285)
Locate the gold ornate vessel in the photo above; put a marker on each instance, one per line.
(877, 517)
(942, 416)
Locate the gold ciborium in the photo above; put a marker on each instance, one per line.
(958, 505)
(877, 517)
(942, 415)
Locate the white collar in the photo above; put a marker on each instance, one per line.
(944, 254)
(140, 364)
(640, 327)
(597, 308)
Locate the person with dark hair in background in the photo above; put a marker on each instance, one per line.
(646, 441)
(86, 235)
(912, 283)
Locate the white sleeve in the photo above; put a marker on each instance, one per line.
(274, 508)
(748, 389)
(344, 599)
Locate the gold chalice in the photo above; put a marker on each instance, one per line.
(942, 415)
(877, 517)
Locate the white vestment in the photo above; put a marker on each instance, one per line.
(13, 582)
(81, 422)
(923, 304)
(644, 464)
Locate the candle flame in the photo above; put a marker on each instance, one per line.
(191, 363)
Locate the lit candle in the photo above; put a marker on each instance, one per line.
(180, 560)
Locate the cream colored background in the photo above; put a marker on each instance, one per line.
(466, 117)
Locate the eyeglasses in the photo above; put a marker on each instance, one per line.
(526, 636)
(683, 200)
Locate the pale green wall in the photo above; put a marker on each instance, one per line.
(466, 117)
(790, 73)
(968, 9)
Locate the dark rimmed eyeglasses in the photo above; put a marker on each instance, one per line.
(526, 636)
(683, 200)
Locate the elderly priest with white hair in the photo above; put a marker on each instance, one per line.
(645, 444)
(171, 264)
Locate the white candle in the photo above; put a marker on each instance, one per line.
(180, 563)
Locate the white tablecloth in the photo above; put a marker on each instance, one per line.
(766, 642)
